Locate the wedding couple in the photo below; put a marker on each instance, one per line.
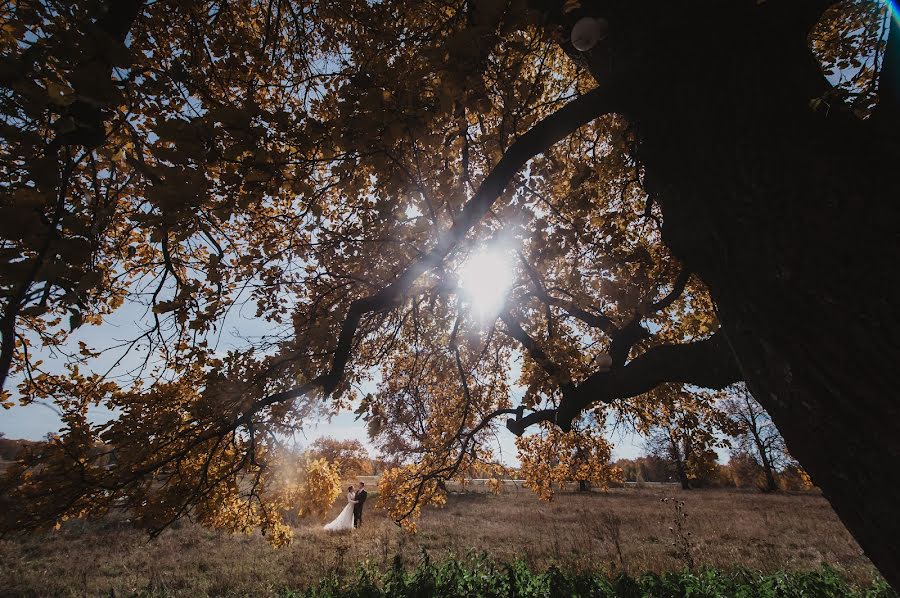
(351, 516)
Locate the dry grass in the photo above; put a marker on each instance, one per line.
(622, 529)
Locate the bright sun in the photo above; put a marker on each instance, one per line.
(485, 279)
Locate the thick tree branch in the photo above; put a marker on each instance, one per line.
(631, 20)
(708, 363)
(517, 426)
(591, 319)
(623, 340)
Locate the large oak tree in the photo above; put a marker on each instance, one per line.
(705, 196)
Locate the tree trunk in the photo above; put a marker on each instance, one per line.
(791, 216)
(682, 475)
(771, 483)
(679, 461)
(584, 486)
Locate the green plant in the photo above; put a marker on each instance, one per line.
(479, 576)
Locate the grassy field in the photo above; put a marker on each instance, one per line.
(625, 530)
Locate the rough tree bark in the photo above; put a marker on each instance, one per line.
(790, 216)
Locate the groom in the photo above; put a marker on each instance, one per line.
(360, 498)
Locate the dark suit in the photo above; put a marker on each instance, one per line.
(357, 508)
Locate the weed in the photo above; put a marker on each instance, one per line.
(681, 538)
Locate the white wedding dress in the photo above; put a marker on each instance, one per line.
(344, 521)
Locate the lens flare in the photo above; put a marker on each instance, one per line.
(485, 279)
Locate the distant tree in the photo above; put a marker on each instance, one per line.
(744, 470)
(12, 448)
(349, 456)
(654, 469)
(684, 428)
(648, 468)
(758, 437)
(552, 457)
(9, 449)
(664, 444)
(381, 462)
(793, 477)
(688, 450)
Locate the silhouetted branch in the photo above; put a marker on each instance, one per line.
(707, 363)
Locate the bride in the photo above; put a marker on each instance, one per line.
(344, 521)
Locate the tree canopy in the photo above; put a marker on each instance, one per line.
(336, 167)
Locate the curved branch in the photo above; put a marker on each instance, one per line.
(675, 293)
(571, 309)
(708, 363)
(625, 338)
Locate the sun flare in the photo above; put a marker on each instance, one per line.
(485, 279)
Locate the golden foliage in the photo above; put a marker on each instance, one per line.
(319, 490)
(555, 457)
(403, 493)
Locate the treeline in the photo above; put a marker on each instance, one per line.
(11, 449)
(741, 471)
(14, 449)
